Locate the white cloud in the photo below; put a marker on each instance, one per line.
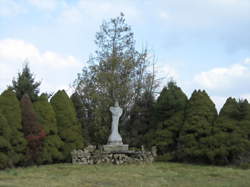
(19, 50)
(165, 73)
(55, 70)
(224, 78)
(224, 82)
(247, 61)
(168, 71)
(10, 8)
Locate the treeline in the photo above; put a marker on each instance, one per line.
(190, 130)
(34, 130)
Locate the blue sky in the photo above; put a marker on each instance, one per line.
(201, 44)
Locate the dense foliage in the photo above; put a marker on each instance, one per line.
(10, 108)
(140, 123)
(33, 131)
(168, 119)
(81, 115)
(5, 147)
(69, 128)
(200, 115)
(182, 129)
(231, 132)
(52, 144)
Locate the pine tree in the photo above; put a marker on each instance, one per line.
(81, 114)
(116, 72)
(33, 131)
(230, 138)
(26, 84)
(5, 147)
(69, 128)
(136, 131)
(244, 127)
(169, 118)
(52, 144)
(10, 107)
(194, 137)
(245, 118)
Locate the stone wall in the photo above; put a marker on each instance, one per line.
(90, 155)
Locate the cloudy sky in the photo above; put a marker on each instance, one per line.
(201, 44)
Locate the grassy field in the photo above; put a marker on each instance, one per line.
(156, 174)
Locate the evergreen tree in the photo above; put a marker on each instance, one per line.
(136, 131)
(245, 118)
(169, 118)
(26, 84)
(81, 114)
(230, 138)
(5, 147)
(68, 126)
(52, 142)
(244, 125)
(194, 137)
(10, 107)
(33, 131)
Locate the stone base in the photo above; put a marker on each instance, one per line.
(99, 157)
(110, 148)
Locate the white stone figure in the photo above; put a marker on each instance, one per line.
(115, 138)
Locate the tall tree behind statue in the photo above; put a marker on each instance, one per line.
(117, 71)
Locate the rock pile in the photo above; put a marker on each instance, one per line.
(91, 155)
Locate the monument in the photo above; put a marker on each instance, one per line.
(115, 140)
(115, 151)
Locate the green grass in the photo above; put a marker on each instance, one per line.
(156, 174)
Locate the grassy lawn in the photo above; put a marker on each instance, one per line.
(156, 174)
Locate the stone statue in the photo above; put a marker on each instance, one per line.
(115, 138)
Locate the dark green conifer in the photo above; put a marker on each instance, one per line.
(10, 107)
(52, 142)
(244, 125)
(139, 125)
(68, 126)
(230, 138)
(200, 115)
(33, 131)
(169, 118)
(81, 114)
(5, 147)
(25, 84)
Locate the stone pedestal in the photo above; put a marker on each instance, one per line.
(114, 155)
(115, 148)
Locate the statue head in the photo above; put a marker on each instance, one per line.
(116, 104)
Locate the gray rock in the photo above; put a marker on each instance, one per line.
(127, 157)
